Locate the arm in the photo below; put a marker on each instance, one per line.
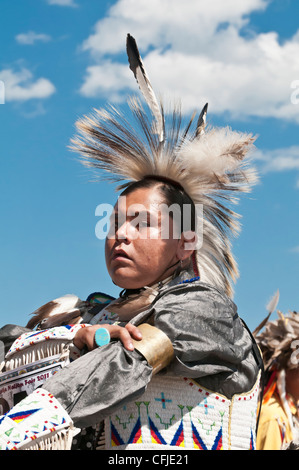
(106, 378)
(206, 343)
(99, 382)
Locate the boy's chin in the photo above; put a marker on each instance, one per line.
(124, 282)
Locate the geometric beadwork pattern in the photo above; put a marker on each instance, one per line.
(178, 413)
(244, 408)
(39, 416)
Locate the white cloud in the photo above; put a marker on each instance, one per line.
(284, 159)
(21, 86)
(31, 37)
(62, 3)
(105, 78)
(182, 25)
(295, 249)
(195, 50)
(279, 160)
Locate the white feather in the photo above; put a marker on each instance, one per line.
(272, 304)
(66, 303)
(216, 152)
(137, 67)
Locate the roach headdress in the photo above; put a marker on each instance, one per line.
(210, 164)
(279, 342)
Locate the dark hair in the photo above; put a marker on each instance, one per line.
(172, 193)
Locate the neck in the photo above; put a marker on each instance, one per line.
(169, 272)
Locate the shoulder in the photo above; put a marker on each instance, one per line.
(195, 308)
(191, 295)
(200, 313)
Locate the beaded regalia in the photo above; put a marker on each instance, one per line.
(205, 396)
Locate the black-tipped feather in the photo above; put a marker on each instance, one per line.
(201, 123)
(137, 67)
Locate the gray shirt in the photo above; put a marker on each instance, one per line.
(211, 345)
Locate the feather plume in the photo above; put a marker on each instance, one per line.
(271, 306)
(60, 311)
(137, 67)
(278, 340)
(210, 164)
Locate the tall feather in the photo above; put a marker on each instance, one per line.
(271, 306)
(201, 123)
(137, 67)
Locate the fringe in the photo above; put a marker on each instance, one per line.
(37, 352)
(59, 440)
(102, 440)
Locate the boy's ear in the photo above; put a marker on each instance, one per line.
(186, 245)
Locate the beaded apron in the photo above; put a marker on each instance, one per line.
(177, 412)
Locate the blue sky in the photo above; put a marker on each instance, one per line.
(61, 58)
